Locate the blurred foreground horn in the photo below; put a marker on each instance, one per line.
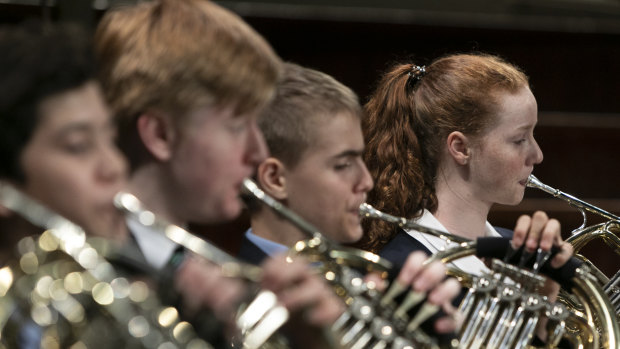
(503, 306)
(361, 326)
(260, 317)
(607, 231)
(60, 291)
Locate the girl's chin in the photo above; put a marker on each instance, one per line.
(514, 202)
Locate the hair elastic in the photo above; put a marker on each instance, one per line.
(415, 74)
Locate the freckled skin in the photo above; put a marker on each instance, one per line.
(505, 155)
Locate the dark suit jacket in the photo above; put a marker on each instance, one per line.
(250, 253)
(399, 248)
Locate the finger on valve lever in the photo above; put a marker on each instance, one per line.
(201, 284)
(298, 288)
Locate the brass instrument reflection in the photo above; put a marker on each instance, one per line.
(502, 307)
(607, 231)
(258, 319)
(62, 292)
(373, 319)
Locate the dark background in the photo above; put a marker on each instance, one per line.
(570, 50)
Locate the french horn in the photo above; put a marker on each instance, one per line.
(372, 319)
(580, 237)
(258, 319)
(502, 307)
(60, 291)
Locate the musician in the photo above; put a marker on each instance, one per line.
(56, 133)
(57, 147)
(445, 143)
(185, 80)
(315, 168)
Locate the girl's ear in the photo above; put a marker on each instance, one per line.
(459, 147)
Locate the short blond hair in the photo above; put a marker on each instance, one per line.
(304, 99)
(178, 55)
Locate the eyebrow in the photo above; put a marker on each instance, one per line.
(527, 126)
(348, 153)
(74, 127)
(83, 126)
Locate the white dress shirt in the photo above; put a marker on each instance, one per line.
(470, 264)
(156, 247)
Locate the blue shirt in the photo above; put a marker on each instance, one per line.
(269, 247)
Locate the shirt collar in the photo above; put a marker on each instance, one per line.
(156, 247)
(470, 264)
(270, 248)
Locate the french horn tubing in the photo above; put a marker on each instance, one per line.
(372, 319)
(62, 291)
(533, 182)
(502, 307)
(370, 212)
(606, 231)
(259, 319)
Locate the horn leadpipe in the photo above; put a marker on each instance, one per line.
(533, 182)
(317, 240)
(304, 226)
(132, 207)
(41, 216)
(365, 323)
(261, 317)
(367, 210)
(583, 235)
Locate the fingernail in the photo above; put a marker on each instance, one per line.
(531, 244)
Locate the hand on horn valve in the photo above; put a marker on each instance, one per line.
(431, 279)
(540, 234)
(299, 287)
(538, 231)
(201, 285)
(312, 303)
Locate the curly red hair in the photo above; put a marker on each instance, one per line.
(408, 120)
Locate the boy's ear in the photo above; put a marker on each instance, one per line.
(458, 146)
(272, 179)
(157, 134)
